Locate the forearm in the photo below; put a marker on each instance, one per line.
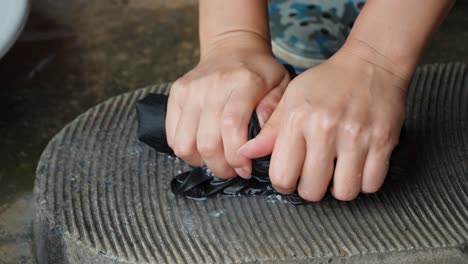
(246, 20)
(393, 33)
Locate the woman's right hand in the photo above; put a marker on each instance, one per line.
(210, 107)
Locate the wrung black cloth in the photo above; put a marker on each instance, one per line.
(199, 182)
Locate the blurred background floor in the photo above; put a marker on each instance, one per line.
(74, 54)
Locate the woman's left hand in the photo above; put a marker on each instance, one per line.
(348, 109)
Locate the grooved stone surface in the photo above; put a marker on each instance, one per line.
(103, 197)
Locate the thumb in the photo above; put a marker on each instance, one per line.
(263, 144)
(269, 102)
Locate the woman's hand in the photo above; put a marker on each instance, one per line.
(347, 109)
(210, 107)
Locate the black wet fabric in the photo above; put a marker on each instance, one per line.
(151, 122)
(200, 183)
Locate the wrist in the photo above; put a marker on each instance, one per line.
(372, 54)
(234, 41)
(368, 63)
(393, 34)
(402, 67)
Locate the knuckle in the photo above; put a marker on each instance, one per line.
(310, 196)
(180, 84)
(184, 87)
(241, 76)
(297, 116)
(370, 188)
(345, 195)
(177, 84)
(221, 77)
(274, 97)
(268, 126)
(232, 159)
(207, 148)
(283, 189)
(269, 102)
(325, 121)
(382, 135)
(355, 130)
(248, 77)
(183, 150)
(224, 173)
(282, 186)
(174, 92)
(170, 142)
(231, 119)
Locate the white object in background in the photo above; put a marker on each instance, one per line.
(13, 14)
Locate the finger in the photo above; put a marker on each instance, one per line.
(375, 169)
(172, 116)
(210, 144)
(348, 172)
(185, 146)
(288, 157)
(318, 167)
(263, 144)
(235, 122)
(268, 103)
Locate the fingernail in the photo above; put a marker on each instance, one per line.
(261, 120)
(242, 172)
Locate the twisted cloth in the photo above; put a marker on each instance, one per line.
(200, 183)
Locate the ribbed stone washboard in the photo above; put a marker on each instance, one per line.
(103, 197)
